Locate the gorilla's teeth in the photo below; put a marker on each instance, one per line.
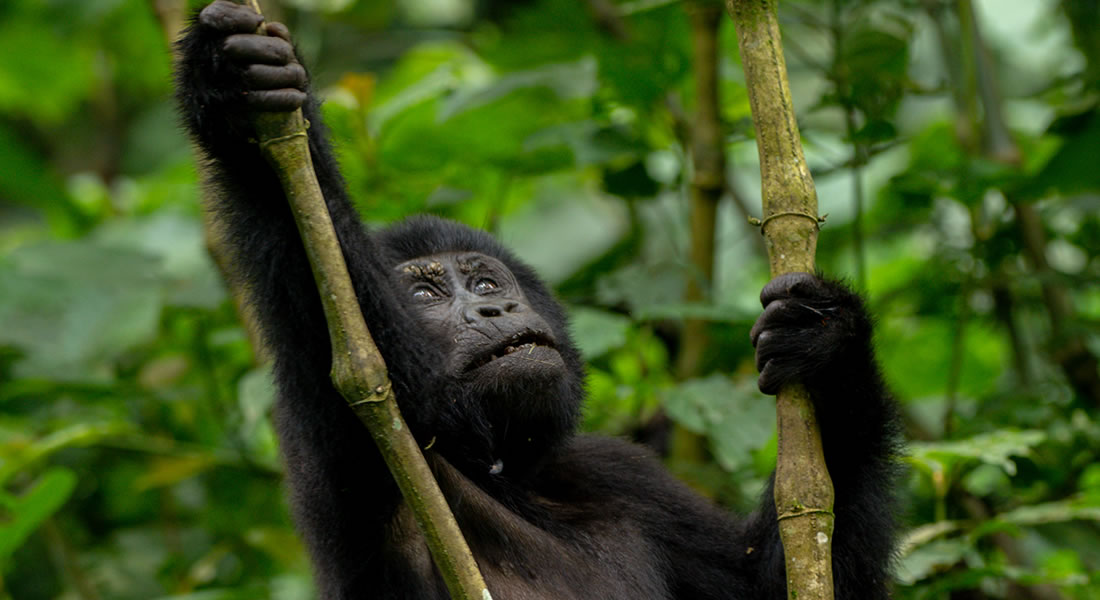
(513, 348)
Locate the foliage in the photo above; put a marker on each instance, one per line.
(137, 459)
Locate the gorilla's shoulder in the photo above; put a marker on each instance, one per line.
(614, 477)
(601, 449)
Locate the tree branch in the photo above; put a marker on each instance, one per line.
(803, 491)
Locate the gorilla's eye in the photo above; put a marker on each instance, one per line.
(424, 293)
(485, 285)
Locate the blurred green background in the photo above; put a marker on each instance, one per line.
(956, 149)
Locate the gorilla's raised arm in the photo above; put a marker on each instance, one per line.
(341, 490)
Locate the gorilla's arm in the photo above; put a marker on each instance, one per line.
(340, 489)
(217, 83)
(818, 332)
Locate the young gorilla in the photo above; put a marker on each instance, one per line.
(480, 357)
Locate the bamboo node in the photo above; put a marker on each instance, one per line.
(282, 138)
(801, 512)
(818, 221)
(372, 399)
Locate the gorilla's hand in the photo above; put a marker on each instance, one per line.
(810, 332)
(235, 67)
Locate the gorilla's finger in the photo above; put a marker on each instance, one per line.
(778, 313)
(787, 285)
(777, 344)
(769, 383)
(268, 77)
(259, 49)
(284, 100)
(230, 17)
(762, 354)
(278, 30)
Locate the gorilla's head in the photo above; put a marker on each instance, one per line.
(499, 381)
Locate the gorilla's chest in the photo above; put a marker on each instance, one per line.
(605, 558)
(613, 563)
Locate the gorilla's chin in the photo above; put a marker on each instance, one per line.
(523, 400)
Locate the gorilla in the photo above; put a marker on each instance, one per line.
(485, 373)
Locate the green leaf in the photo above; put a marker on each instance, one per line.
(596, 331)
(563, 228)
(589, 142)
(71, 307)
(1072, 168)
(566, 80)
(736, 418)
(424, 73)
(1041, 514)
(935, 150)
(916, 351)
(444, 110)
(188, 274)
(924, 534)
(995, 448)
(877, 61)
(18, 453)
(985, 480)
(927, 560)
(24, 513)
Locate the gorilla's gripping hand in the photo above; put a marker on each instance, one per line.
(227, 70)
(811, 332)
(818, 333)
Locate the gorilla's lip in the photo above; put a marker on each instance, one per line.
(524, 341)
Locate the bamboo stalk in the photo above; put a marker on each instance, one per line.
(803, 490)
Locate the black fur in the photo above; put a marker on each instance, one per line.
(567, 516)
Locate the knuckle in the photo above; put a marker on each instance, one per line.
(280, 46)
(236, 43)
(279, 30)
(277, 100)
(228, 16)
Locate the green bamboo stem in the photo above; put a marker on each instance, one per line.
(803, 489)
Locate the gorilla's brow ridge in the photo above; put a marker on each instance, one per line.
(426, 271)
(472, 263)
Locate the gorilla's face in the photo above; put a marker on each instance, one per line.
(508, 385)
(474, 311)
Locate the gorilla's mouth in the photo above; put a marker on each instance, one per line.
(523, 343)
